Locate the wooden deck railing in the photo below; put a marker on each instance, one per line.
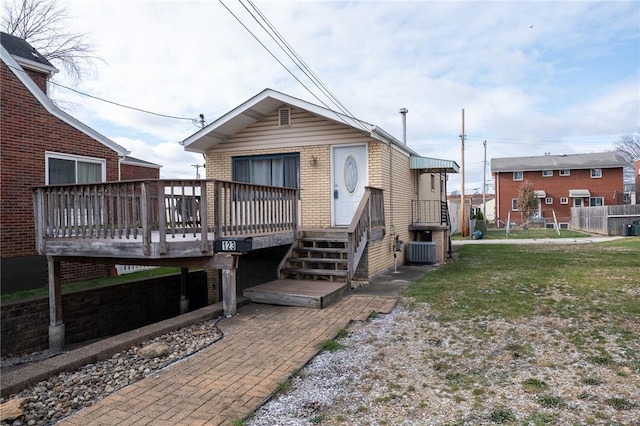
(246, 209)
(160, 211)
(429, 212)
(368, 224)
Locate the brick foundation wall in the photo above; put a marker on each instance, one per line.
(99, 312)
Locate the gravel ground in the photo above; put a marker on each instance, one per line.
(49, 401)
(407, 368)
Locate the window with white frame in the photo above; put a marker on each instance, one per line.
(596, 173)
(547, 173)
(66, 169)
(596, 201)
(514, 204)
(565, 172)
(548, 200)
(564, 200)
(518, 175)
(577, 202)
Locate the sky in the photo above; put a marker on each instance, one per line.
(556, 77)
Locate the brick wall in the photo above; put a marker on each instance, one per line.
(28, 130)
(99, 312)
(131, 172)
(556, 187)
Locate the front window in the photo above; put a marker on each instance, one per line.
(275, 170)
(547, 173)
(596, 201)
(514, 204)
(596, 173)
(518, 175)
(65, 169)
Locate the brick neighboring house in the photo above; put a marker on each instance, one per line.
(41, 144)
(560, 182)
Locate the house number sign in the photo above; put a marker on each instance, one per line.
(229, 245)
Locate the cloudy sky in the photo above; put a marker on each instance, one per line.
(532, 77)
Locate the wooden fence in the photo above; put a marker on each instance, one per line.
(604, 220)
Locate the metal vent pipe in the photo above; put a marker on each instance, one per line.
(403, 112)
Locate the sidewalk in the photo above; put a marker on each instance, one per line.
(262, 346)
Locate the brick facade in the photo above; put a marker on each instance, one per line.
(131, 172)
(556, 187)
(29, 131)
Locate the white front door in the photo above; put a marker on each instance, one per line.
(349, 180)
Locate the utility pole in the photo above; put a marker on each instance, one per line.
(484, 183)
(462, 219)
(197, 166)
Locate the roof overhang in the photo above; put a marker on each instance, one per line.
(255, 109)
(579, 193)
(432, 165)
(540, 194)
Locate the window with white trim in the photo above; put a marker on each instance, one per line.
(565, 172)
(67, 169)
(518, 175)
(514, 204)
(547, 173)
(564, 200)
(577, 202)
(596, 201)
(596, 173)
(548, 200)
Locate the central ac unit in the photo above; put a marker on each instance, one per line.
(421, 253)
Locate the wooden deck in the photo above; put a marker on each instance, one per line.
(305, 293)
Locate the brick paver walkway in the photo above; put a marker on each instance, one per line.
(227, 381)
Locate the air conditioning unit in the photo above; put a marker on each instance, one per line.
(421, 253)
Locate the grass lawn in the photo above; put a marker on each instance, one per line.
(82, 285)
(558, 325)
(500, 234)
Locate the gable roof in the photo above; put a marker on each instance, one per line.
(604, 160)
(133, 161)
(44, 100)
(266, 102)
(25, 54)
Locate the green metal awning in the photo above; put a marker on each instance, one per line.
(426, 164)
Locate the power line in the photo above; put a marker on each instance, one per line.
(121, 105)
(290, 57)
(194, 121)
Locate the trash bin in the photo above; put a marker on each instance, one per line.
(627, 230)
(636, 228)
(477, 235)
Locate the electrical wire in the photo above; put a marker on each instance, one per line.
(296, 58)
(285, 67)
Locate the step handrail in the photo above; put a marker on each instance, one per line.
(368, 216)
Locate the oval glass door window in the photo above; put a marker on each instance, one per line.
(351, 174)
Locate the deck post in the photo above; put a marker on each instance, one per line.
(56, 326)
(184, 300)
(229, 302)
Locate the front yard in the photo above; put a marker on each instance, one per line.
(508, 334)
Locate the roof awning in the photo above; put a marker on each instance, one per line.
(579, 193)
(540, 194)
(427, 165)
